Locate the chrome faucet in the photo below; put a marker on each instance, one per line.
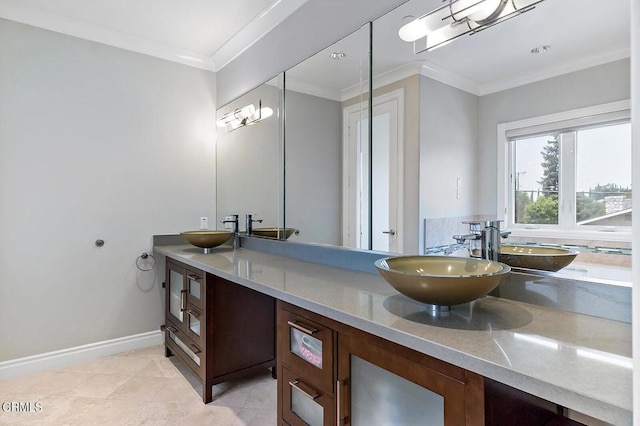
(248, 227)
(236, 229)
(489, 234)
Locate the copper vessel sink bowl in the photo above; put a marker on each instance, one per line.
(442, 280)
(273, 232)
(206, 239)
(536, 257)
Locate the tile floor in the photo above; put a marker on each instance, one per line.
(140, 387)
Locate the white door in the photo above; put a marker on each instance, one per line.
(386, 162)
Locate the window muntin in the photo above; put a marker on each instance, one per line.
(572, 179)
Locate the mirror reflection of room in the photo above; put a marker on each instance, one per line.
(326, 102)
(450, 165)
(249, 161)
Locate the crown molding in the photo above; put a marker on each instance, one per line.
(253, 31)
(605, 58)
(383, 79)
(423, 68)
(81, 29)
(450, 78)
(312, 89)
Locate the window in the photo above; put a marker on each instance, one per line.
(569, 173)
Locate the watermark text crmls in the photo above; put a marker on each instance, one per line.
(21, 407)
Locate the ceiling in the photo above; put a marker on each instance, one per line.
(209, 34)
(581, 33)
(202, 33)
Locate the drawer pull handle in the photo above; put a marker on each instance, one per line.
(193, 313)
(183, 300)
(171, 328)
(193, 277)
(297, 326)
(311, 393)
(194, 348)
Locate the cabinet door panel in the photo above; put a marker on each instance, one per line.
(397, 401)
(380, 384)
(176, 294)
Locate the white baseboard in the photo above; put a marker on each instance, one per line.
(76, 355)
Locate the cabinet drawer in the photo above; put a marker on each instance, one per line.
(185, 348)
(303, 404)
(307, 348)
(194, 324)
(195, 287)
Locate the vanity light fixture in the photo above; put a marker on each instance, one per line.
(541, 49)
(459, 17)
(244, 116)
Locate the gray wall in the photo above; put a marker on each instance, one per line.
(95, 142)
(598, 85)
(314, 26)
(313, 158)
(448, 151)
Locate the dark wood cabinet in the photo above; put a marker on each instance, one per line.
(506, 405)
(220, 329)
(333, 374)
(326, 369)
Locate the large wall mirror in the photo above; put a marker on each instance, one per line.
(433, 159)
(249, 169)
(569, 55)
(326, 129)
(434, 150)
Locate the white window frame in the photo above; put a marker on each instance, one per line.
(551, 123)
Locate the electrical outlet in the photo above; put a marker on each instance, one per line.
(204, 222)
(227, 224)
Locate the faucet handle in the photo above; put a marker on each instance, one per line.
(494, 223)
(249, 216)
(234, 218)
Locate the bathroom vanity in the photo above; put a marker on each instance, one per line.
(342, 332)
(219, 329)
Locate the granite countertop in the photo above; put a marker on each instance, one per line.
(578, 361)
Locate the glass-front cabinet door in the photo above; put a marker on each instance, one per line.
(194, 288)
(176, 294)
(378, 385)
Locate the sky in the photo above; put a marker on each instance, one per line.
(604, 156)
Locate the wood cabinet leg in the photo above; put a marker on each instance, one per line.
(207, 392)
(274, 373)
(167, 352)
